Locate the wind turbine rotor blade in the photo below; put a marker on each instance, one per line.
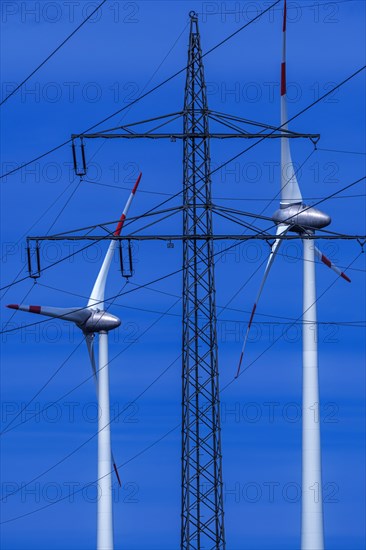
(96, 299)
(281, 231)
(116, 470)
(323, 258)
(127, 207)
(89, 338)
(77, 315)
(290, 190)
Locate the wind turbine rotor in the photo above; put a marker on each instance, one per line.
(294, 215)
(301, 217)
(101, 321)
(94, 319)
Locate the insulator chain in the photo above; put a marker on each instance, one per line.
(126, 263)
(34, 273)
(79, 164)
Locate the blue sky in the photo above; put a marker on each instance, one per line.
(103, 67)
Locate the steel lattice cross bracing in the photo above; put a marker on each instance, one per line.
(202, 493)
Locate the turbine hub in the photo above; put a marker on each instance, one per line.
(100, 321)
(300, 217)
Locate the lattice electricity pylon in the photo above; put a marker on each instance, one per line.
(202, 491)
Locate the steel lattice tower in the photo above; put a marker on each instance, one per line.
(202, 498)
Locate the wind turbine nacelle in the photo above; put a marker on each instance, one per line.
(100, 321)
(300, 217)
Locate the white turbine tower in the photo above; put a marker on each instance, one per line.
(294, 215)
(94, 319)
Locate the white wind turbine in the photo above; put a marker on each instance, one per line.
(94, 319)
(294, 215)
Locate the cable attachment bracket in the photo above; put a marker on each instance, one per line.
(314, 140)
(362, 244)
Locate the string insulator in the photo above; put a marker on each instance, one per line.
(80, 171)
(34, 273)
(126, 264)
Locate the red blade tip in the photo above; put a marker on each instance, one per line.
(345, 277)
(119, 226)
(137, 183)
(13, 306)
